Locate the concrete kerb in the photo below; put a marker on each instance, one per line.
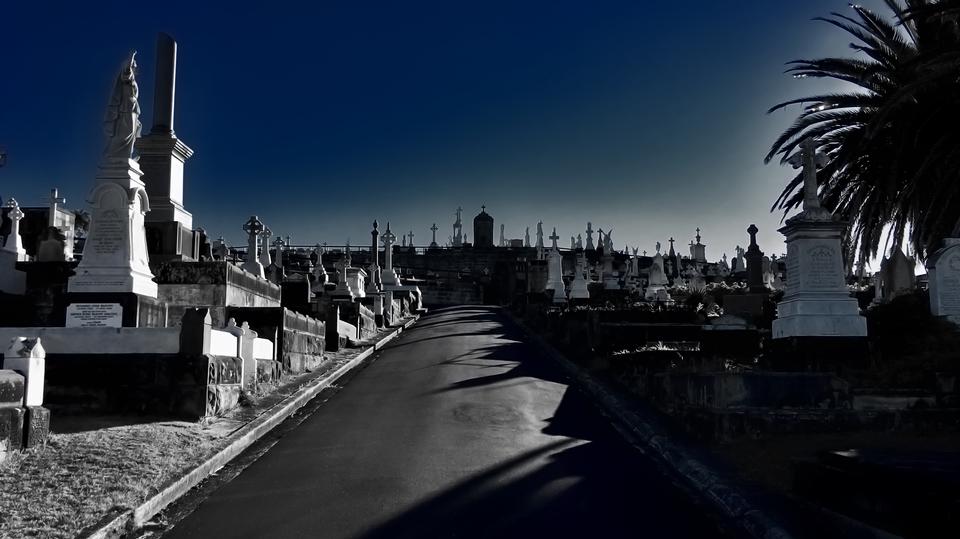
(243, 438)
(696, 476)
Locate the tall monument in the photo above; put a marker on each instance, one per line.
(162, 156)
(115, 265)
(817, 302)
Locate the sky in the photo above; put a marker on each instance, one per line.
(320, 117)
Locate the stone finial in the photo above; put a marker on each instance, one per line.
(752, 230)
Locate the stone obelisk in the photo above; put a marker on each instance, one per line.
(162, 157)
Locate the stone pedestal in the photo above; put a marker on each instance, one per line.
(162, 156)
(817, 302)
(115, 258)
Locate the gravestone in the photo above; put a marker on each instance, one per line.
(943, 271)
(817, 302)
(254, 228)
(897, 274)
(12, 280)
(578, 287)
(555, 271)
(115, 259)
(657, 279)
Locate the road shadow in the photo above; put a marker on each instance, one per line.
(566, 488)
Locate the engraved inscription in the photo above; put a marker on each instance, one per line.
(108, 236)
(94, 315)
(949, 285)
(821, 271)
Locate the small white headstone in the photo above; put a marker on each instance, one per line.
(27, 357)
(94, 315)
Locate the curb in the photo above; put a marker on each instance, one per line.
(694, 474)
(244, 437)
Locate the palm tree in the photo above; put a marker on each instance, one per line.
(892, 142)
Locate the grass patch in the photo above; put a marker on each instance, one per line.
(58, 490)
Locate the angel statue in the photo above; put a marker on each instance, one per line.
(122, 121)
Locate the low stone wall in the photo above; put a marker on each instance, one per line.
(193, 371)
(447, 292)
(213, 285)
(65, 341)
(753, 390)
(299, 338)
(157, 384)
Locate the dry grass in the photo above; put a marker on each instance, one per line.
(58, 490)
(769, 462)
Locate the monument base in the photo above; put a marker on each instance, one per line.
(171, 240)
(12, 280)
(112, 280)
(819, 317)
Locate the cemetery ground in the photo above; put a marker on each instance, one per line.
(871, 453)
(95, 470)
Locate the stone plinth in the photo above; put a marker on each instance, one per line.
(817, 302)
(161, 158)
(943, 271)
(115, 258)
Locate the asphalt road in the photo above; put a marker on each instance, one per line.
(458, 429)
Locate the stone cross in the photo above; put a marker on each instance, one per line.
(278, 245)
(810, 160)
(388, 238)
(554, 238)
(671, 244)
(253, 227)
(14, 243)
(265, 258)
(55, 199)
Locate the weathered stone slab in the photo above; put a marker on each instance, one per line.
(12, 388)
(11, 428)
(37, 426)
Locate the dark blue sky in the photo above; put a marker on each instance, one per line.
(320, 117)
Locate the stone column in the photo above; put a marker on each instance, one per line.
(755, 264)
(375, 285)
